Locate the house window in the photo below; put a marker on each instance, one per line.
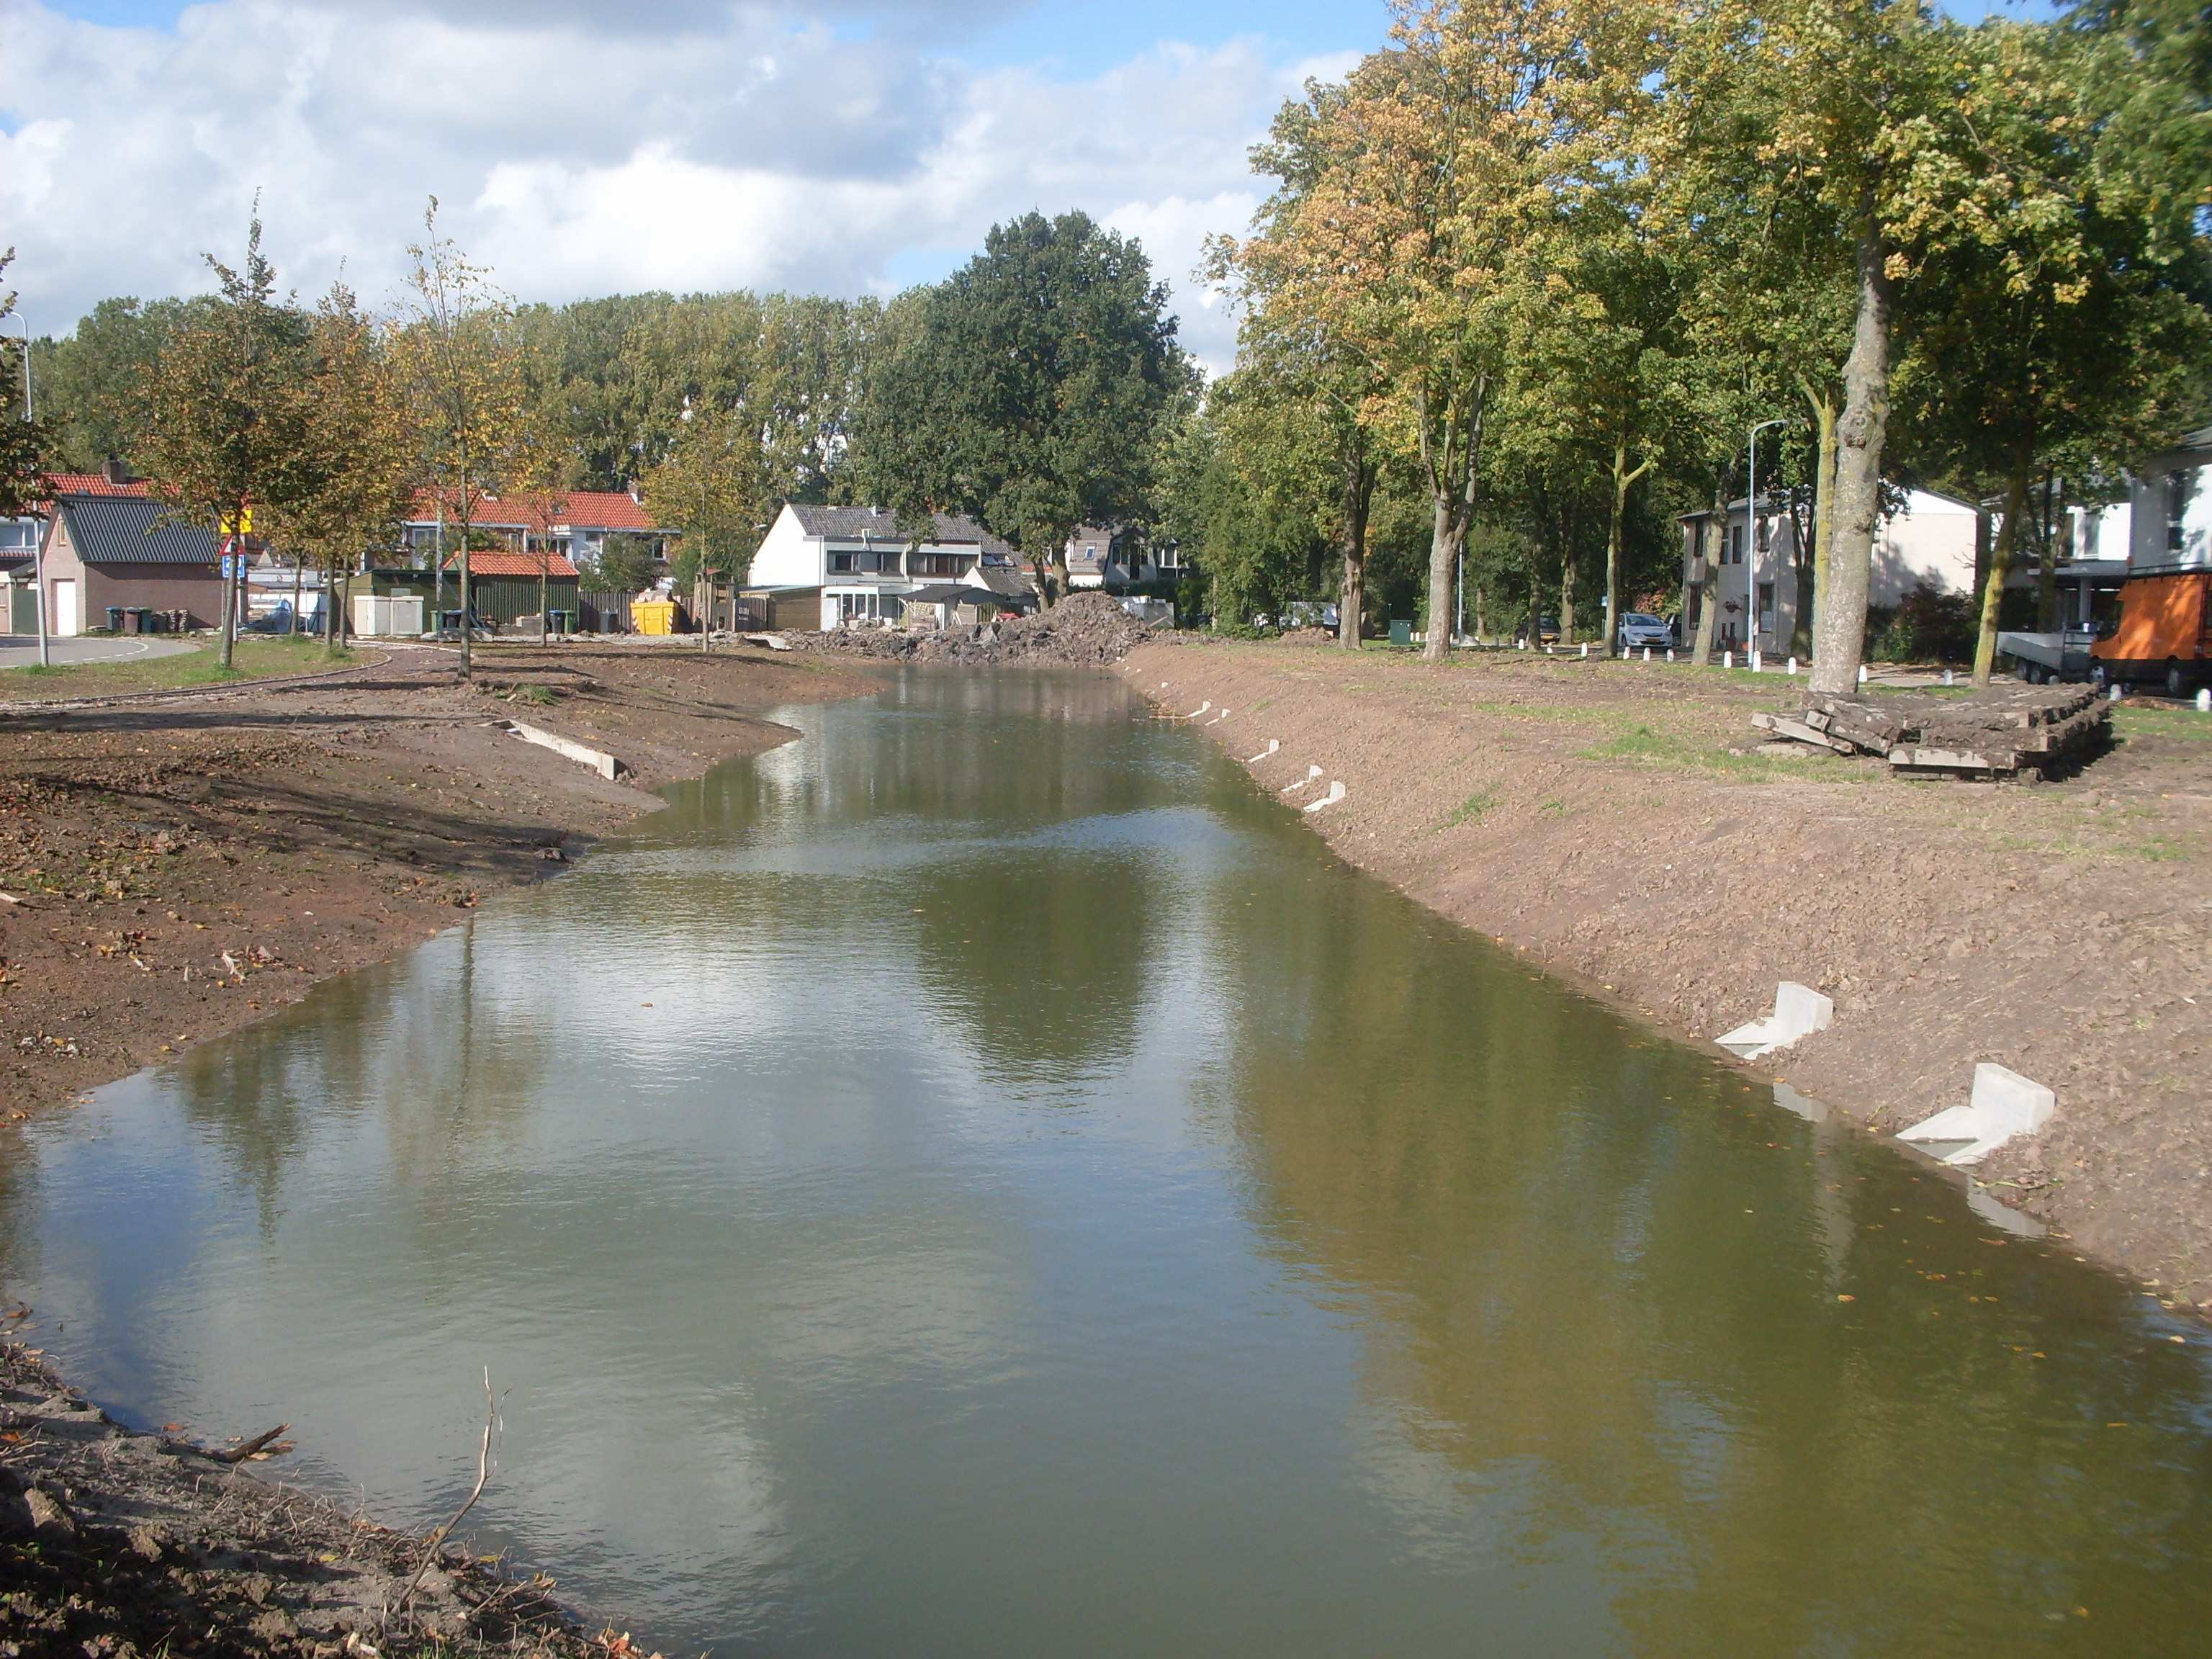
(1766, 607)
(937, 564)
(869, 607)
(1168, 558)
(862, 563)
(1735, 544)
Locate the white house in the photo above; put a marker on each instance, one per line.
(1097, 557)
(2170, 495)
(1927, 542)
(859, 565)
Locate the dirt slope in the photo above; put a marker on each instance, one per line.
(1616, 823)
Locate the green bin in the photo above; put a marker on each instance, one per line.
(1401, 632)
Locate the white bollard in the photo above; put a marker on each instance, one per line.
(1585, 650)
(1670, 653)
(1647, 654)
(1793, 668)
(2204, 700)
(1862, 674)
(2116, 691)
(1728, 659)
(1947, 680)
(1757, 659)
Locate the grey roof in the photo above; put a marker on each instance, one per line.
(852, 524)
(130, 529)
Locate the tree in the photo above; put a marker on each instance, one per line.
(464, 365)
(624, 565)
(713, 483)
(226, 409)
(95, 384)
(24, 442)
(1426, 228)
(1030, 389)
(343, 488)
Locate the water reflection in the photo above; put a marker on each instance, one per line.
(978, 1179)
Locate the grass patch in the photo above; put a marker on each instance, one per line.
(538, 696)
(2131, 719)
(1674, 751)
(1553, 808)
(1471, 810)
(258, 657)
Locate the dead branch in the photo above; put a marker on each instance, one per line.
(484, 1473)
(238, 1454)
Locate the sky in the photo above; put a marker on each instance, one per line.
(583, 147)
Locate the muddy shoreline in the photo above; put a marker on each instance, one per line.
(177, 868)
(1618, 825)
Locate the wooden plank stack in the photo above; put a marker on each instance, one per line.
(1998, 732)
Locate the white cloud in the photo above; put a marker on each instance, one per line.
(581, 150)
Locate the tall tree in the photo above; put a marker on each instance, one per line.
(95, 383)
(24, 442)
(462, 360)
(1032, 389)
(1427, 229)
(226, 409)
(343, 488)
(715, 483)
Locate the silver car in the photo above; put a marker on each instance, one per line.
(1639, 629)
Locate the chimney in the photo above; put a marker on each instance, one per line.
(114, 471)
(632, 487)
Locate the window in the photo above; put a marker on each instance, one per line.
(868, 607)
(862, 563)
(1168, 558)
(19, 535)
(937, 564)
(1766, 607)
(1735, 545)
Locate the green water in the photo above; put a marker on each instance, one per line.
(983, 1180)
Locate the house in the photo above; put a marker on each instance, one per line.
(113, 548)
(1927, 541)
(1099, 558)
(573, 523)
(832, 566)
(2170, 503)
(20, 538)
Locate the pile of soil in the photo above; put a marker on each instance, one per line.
(119, 1544)
(1089, 629)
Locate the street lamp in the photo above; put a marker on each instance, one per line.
(1751, 548)
(38, 541)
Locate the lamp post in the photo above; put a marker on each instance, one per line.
(38, 541)
(1751, 546)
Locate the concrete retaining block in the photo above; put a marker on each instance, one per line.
(2004, 1104)
(1799, 1011)
(1335, 794)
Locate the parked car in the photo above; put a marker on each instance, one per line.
(1547, 632)
(1639, 629)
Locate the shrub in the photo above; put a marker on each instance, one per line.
(1928, 625)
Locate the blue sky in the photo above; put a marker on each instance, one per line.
(588, 146)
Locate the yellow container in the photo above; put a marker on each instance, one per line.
(654, 616)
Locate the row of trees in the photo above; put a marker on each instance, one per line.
(1531, 272)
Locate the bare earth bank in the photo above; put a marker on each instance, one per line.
(1617, 824)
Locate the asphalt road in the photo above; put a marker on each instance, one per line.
(20, 650)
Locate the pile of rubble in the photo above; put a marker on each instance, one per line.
(1084, 628)
(1998, 732)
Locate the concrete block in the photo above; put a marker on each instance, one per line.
(1313, 775)
(1335, 794)
(1200, 709)
(1273, 744)
(598, 759)
(1799, 1011)
(2004, 1104)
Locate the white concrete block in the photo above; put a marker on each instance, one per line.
(1313, 773)
(1200, 709)
(1273, 744)
(2004, 1104)
(1799, 1011)
(1335, 794)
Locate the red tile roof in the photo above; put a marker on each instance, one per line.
(540, 510)
(502, 562)
(92, 484)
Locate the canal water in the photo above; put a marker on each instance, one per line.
(983, 1180)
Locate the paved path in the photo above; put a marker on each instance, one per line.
(20, 650)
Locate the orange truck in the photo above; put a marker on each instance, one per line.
(2164, 633)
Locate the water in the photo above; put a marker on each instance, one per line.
(980, 1179)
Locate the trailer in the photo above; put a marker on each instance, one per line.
(2164, 637)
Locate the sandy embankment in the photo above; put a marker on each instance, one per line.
(1612, 822)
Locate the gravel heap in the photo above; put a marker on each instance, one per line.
(1084, 628)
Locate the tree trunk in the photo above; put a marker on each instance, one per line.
(298, 573)
(2047, 584)
(1709, 600)
(1983, 531)
(1839, 636)
(2001, 555)
(1622, 482)
(1566, 594)
(1824, 517)
(468, 608)
(1447, 537)
(1358, 498)
(229, 590)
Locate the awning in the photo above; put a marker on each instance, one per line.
(960, 594)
